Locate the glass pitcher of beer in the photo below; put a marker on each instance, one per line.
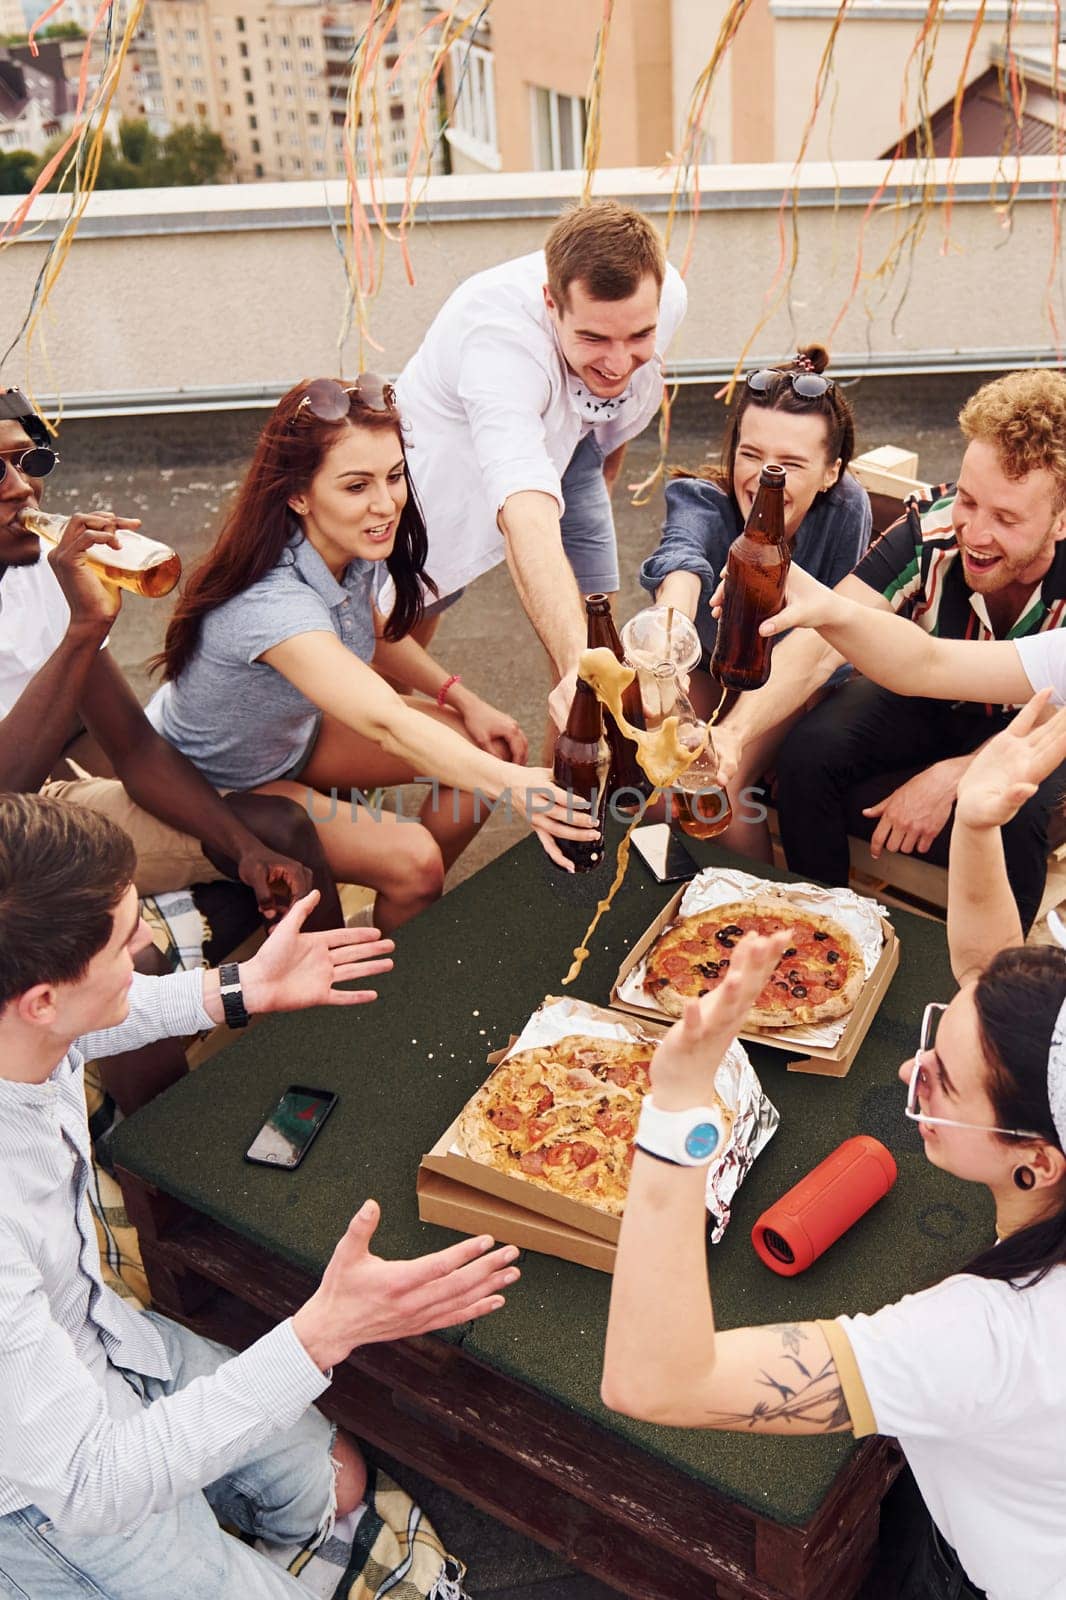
(141, 565)
(701, 804)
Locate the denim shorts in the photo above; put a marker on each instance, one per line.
(284, 1496)
(588, 521)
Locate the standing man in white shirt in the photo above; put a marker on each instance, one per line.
(520, 401)
(123, 1435)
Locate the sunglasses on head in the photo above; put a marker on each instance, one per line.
(808, 385)
(330, 401)
(39, 460)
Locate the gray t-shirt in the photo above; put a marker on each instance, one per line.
(236, 718)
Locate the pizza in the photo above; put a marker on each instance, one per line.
(819, 977)
(563, 1117)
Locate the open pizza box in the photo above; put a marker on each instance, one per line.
(831, 1059)
(457, 1192)
(497, 1203)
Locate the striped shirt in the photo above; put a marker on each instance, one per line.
(75, 1438)
(917, 567)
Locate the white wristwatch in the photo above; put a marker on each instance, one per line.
(690, 1138)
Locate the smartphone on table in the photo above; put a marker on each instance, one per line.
(291, 1128)
(663, 848)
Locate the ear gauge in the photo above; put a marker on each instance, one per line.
(1024, 1177)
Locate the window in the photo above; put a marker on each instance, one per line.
(473, 121)
(286, 65)
(286, 42)
(290, 92)
(275, 114)
(194, 59)
(294, 141)
(201, 108)
(319, 166)
(218, 35)
(259, 169)
(223, 84)
(227, 109)
(317, 142)
(310, 68)
(306, 42)
(198, 86)
(297, 164)
(396, 113)
(255, 147)
(398, 137)
(249, 98)
(181, 108)
(172, 37)
(243, 49)
(191, 36)
(179, 83)
(311, 91)
(240, 24)
(246, 74)
(253, 123)
(313, 118)
(558, 130)
(293, 117)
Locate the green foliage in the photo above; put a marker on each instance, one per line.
(17, 171)
(141, 160)
(55, 30)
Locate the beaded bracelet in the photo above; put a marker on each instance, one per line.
(442, 692)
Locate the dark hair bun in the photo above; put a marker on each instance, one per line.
(816, 355)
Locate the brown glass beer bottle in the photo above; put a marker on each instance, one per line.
(625, 771)
(756, 570)
(580, 766)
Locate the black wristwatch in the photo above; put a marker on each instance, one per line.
(233, 1008)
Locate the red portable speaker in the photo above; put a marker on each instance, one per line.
(823, 1205)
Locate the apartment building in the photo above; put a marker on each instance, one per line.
(516, 93)
(271, 77)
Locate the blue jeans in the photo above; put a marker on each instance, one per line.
(588, 521)
(285, 1496)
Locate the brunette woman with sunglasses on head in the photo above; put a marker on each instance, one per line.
(968, 1375)
(796, 417)
(276, 652)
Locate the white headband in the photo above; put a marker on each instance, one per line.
(1056, 1075)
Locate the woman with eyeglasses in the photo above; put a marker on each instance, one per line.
(795, 416)
(276, 657)
(969, 1375)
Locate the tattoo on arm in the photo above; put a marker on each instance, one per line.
(798, 1393)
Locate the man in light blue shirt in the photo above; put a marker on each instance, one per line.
(121, 1434)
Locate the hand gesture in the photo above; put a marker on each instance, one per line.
(363, 1299)
(552, 812)
(293, 969)
(808, 604)
(494, 730)
(1011, 767)
(911, 816)
(90, 598)
(684, 1066)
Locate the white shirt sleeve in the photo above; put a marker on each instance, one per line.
(945, 1362)
(505, 393)
(1043, 659)
(160, 1008)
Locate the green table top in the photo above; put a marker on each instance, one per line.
(469, 972)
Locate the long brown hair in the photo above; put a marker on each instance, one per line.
(259, 524)
(779, 395)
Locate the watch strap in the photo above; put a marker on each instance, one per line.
(229, 988)
(689, 1138)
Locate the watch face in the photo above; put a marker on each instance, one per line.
(701, 1141)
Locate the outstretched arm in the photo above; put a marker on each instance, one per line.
(545, 581)
(891, 651)
(664, 1361)
(982, 912)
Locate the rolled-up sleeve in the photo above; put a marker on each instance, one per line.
(93, 1474)
(695, 537)
(505, 394)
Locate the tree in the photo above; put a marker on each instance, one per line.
(187, 155)
(17, 171)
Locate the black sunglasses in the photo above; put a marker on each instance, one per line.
(329, 400)
(35, 463)
(808, 385)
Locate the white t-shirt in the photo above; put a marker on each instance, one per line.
(33, 619)
(970, 1376)
(490, 412)
(1043, 659)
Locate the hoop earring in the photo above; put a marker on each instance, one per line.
(1024, 1177)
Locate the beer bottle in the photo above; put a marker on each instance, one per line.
(756, 570)
(580, 767)
(625, 770)
(144, 566)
